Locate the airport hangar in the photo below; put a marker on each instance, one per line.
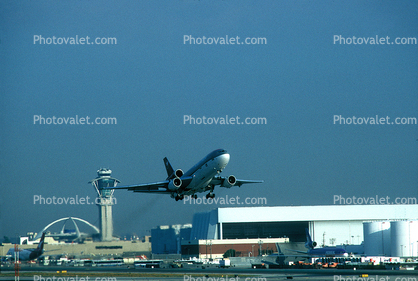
(253, 230)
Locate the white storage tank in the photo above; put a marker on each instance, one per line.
(413, 238)
(386, 238)
(400, 238)
(376, 238)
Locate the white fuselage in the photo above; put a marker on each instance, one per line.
(204, 171)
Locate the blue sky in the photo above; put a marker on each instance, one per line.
(150, 79)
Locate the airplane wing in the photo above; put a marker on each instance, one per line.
(222, 181)
(153, 187)
(296, 251)
(241, 182)
(303, 254)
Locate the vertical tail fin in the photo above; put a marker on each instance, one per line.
(41, 243)
(278, 249)
(169, 168)
(309, 243)
(280, 256)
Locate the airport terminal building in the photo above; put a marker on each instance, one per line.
(329, 225)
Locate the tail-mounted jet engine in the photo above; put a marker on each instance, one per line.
(176, 182)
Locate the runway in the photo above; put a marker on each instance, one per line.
(56, 273)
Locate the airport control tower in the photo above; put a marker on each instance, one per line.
(104, 201)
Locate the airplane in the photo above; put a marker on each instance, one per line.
(275, 258)
(279, 257)
(320, 252)
(203, 176)
(28, 254)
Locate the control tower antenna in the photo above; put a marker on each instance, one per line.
(104, 201)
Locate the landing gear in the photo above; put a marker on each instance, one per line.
(210, 195)
(179, 197)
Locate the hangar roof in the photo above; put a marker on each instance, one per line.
(318, 213)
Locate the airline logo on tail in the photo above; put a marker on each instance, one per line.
(40, 247)
(309, 243)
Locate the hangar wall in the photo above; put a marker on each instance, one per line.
(295, 231)
(342, 224)
(336, 232)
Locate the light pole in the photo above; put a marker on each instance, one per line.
(260, 243)
(210, 244)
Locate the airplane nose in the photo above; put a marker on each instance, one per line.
(224, 159)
